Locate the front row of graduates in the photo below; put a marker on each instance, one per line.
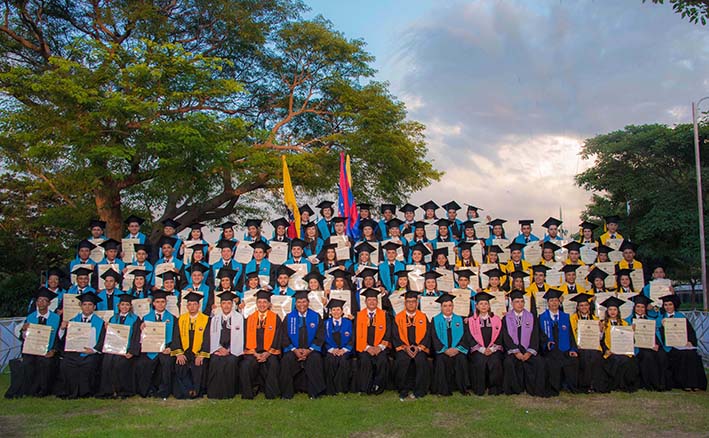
(224, 354)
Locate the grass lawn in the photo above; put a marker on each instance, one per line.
(642, 414)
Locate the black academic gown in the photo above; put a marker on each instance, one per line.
(403, 363)
(117, 371)
(262, 374)
(652, 365)
(33, 376)
(338, 369)
(686, 370)
(562, 369)
(372, 371)
(304, 376)
(449, 372)
(153, 377)
(522, 376)
(621, 370)
(486, 371)
(79, 374)
(591, 377)
(189, 378)
(223, 373)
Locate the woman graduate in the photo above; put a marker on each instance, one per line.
(280, 230)
(224, 341)
(686, 370)
(117, 370)
(339, 337)
(486, 352)
(325, 224)
(78, 370)
(187, 349)
(592, 378)
(621, 369)
(313, 243)
(139, 289)
(524, 369)
(153, 371)
(652, 362)
(450, 343)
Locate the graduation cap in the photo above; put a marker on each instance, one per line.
(227, 224)
(585, 225)
(483, 296)
(125, 298)
(364, 206)
(612, 219)
(339, 219)
(445, 298)
(582, 298)
(429, 205)
(160, 294)
(310, 224)
(515, 294)
(199, 246)
(89, 297)
(550, 245)
(111, 273)
(140, 273)
(431, 275)
(466, 245)
(624, 271)
(82, 271)
(192, 297)
(301, 294)
(280, 222)
(251, 274)
(395, 223)
(85, 244)
(55, 271)
(198, 267)
(408, 208)
(340, 273)
(467, 273)
(526, 221)
(496, 222)
(367, 223)
(516, 246)
(285, 270)
(44, 292)
(171, 223)
(419, 246)
(672, 298)
(325, 204)
(141, 247)
(612, 302)
(402, 273)
(313, 275)
(411, 294)
(226, 273)
(569, 268)
(97, 223)
(573, 246)
(440, 251)
(451, 206)
(518, 274)
(306, 208)
(603, 249)
(260, 244)
(334, 302)
(264, 294)
(420, 224)
(167, 240)
(385, 207)
(473, 208)
(253, 223)
(596, 273)
(641, 299)
(134, 219)
(469, 224)
(300, 243)
(495, 248)
(168, 275)
(370, 293)
(540, 268)
(224, 243)
(443, 222)
(552, 293)
(628, 245)
(367, 272)
(551, 221)
(329, 245)
(227, 295)
(110, 244)
(494, 272)
(196, 226)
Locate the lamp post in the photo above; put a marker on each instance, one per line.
(700, 203)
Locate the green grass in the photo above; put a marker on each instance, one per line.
(641, 414)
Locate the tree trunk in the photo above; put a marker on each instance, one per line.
(108, 206)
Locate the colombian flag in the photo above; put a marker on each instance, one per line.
(291, 204)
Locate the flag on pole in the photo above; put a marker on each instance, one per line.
(346, 204)
(291, 204)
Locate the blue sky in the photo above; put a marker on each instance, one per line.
(509, 90)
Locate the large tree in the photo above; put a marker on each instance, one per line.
(181, 109)
(651, 169)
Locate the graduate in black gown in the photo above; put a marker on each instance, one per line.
(558, 345)
(339, 342)
(592, 377)
(117, 369)
(486, 351)
(224, 340)
(621, 369)
(451, 340)
(523, 366)
(685, 365)
(411, 339)
(652, 362)
(301, 364)
(191, 360)
(373, 329)
(153, 371)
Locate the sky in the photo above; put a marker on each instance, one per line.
(509, 90)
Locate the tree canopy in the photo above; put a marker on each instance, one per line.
(696, 11)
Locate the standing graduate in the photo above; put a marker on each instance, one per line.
(388, 212)
(324, 224)
(652, 362)
(133, 224)
(111, 294)
(558, 345)
(686, 370)
(591, 377)
(153, 371)
(552, 225)
(389, 267)
(117, 370)
(224, 341)
(260, 264)
(339, 337)
(373, 338)
(621, 369)
(261, 362)
(611, 229)
(169, 230)
(303, 337)
(280, 230)
(78, 370)
(450, 340)
(486, 351)
(523, 367)
(187, 349)
(455, 229)
(411, 339)
(525, 233)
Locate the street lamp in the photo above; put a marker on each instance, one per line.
(700, 203)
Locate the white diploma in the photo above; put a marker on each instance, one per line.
(342, 253)
(482, 230)
(79, 336)
(315, 299)
(659, 288)
(498, 305)
(450, 246)
(37, 338)
(608, 268)
(461, 303)
(152, 338)
(116, 340)
(171, 305)
(533, 252)
(567, 304)
(588, 254)
(416, 280)
(477, 253)
(626, 309)
(249, 302)
(141, 307)
(344, 295)
(160, 269)
(187, 255)
(281, 305)
(644, 333)
(581, 274)
(244, 252)
(484, 279)
(430, 307)
(72, 306)
(638, 279)
(98, 253)
(614, 243)
(622, 340)
(279, 253)
(431, 231)
(128, 247)
(615, 256)
(588, 335)
(598, 299)
(445, 282)
(340, 241)
(104, 314)
(102, 269)
(215, 254)
(397, 302)
(503, 244)
(296, 281)
(675, 332)
(128, 276)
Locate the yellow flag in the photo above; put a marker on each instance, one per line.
(347, 169)
(289, 197)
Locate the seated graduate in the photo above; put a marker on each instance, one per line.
(78, 370)
(339, 336)
(652, 362)
(117, 370)
(558, 345)
(591, 378)
(373, 337)
(523, 367)
(224, 341)
(34, 375)
(450, 341)
(261, 362)
(621, 369)
(486, 352)
(187, 349)
(685, 365)
(411, 339)
(153, 371)
(301, 363)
